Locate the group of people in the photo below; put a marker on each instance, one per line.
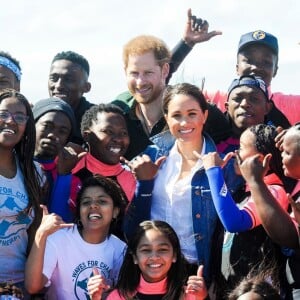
(166, 192)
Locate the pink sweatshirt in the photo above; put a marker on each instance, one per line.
(124, 177)
(145, 287)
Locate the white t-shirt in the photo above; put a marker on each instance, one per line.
(69, 263)
(13, 227)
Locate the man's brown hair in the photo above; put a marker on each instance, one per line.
(147, 43)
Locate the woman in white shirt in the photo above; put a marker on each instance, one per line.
(173, 186)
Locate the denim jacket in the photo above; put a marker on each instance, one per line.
(203, 210)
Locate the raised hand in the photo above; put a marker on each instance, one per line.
(96, 285)
(213, 159)
(196, 30)
(279, 137)
(51, 222)
(196, 285)
(143, 167)
(254, 168)
(68, 157)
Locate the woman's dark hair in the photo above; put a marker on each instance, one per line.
(25, 152)
(183, 89)
(265, 143)
(130, 272)
(111, 188)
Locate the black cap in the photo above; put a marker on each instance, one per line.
(249, 80)
(53, 104)
(259, 37)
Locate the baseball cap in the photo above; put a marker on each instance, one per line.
(249, 80)
(259, 37)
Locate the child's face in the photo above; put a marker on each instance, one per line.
(154, 255)
(290, 155)
(247, 147)
(96, 210)
(108, 138)
(10, 131)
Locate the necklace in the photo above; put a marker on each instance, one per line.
(146, 126)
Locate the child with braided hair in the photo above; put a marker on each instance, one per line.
(20, 181)
(246, 244)
(280, 226)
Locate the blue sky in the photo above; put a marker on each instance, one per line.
(34, 31)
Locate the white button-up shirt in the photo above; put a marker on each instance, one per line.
(171, 200)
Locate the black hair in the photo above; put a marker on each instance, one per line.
(265, 143)
(255, 285)
(25, 152)
(75, 58)
(183, 89)
(129, 276)
(111, 188)
(263, 281)
(91, 114)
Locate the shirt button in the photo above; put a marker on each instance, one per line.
(198, 192)
(198, 216)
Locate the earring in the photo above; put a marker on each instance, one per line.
(86, 146)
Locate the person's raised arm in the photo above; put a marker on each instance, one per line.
(232, 218)
(34, 278)
(139, 208)
(67, 159)
(276, 221)
(195, 31)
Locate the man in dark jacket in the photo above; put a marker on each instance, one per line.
(148, 65)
